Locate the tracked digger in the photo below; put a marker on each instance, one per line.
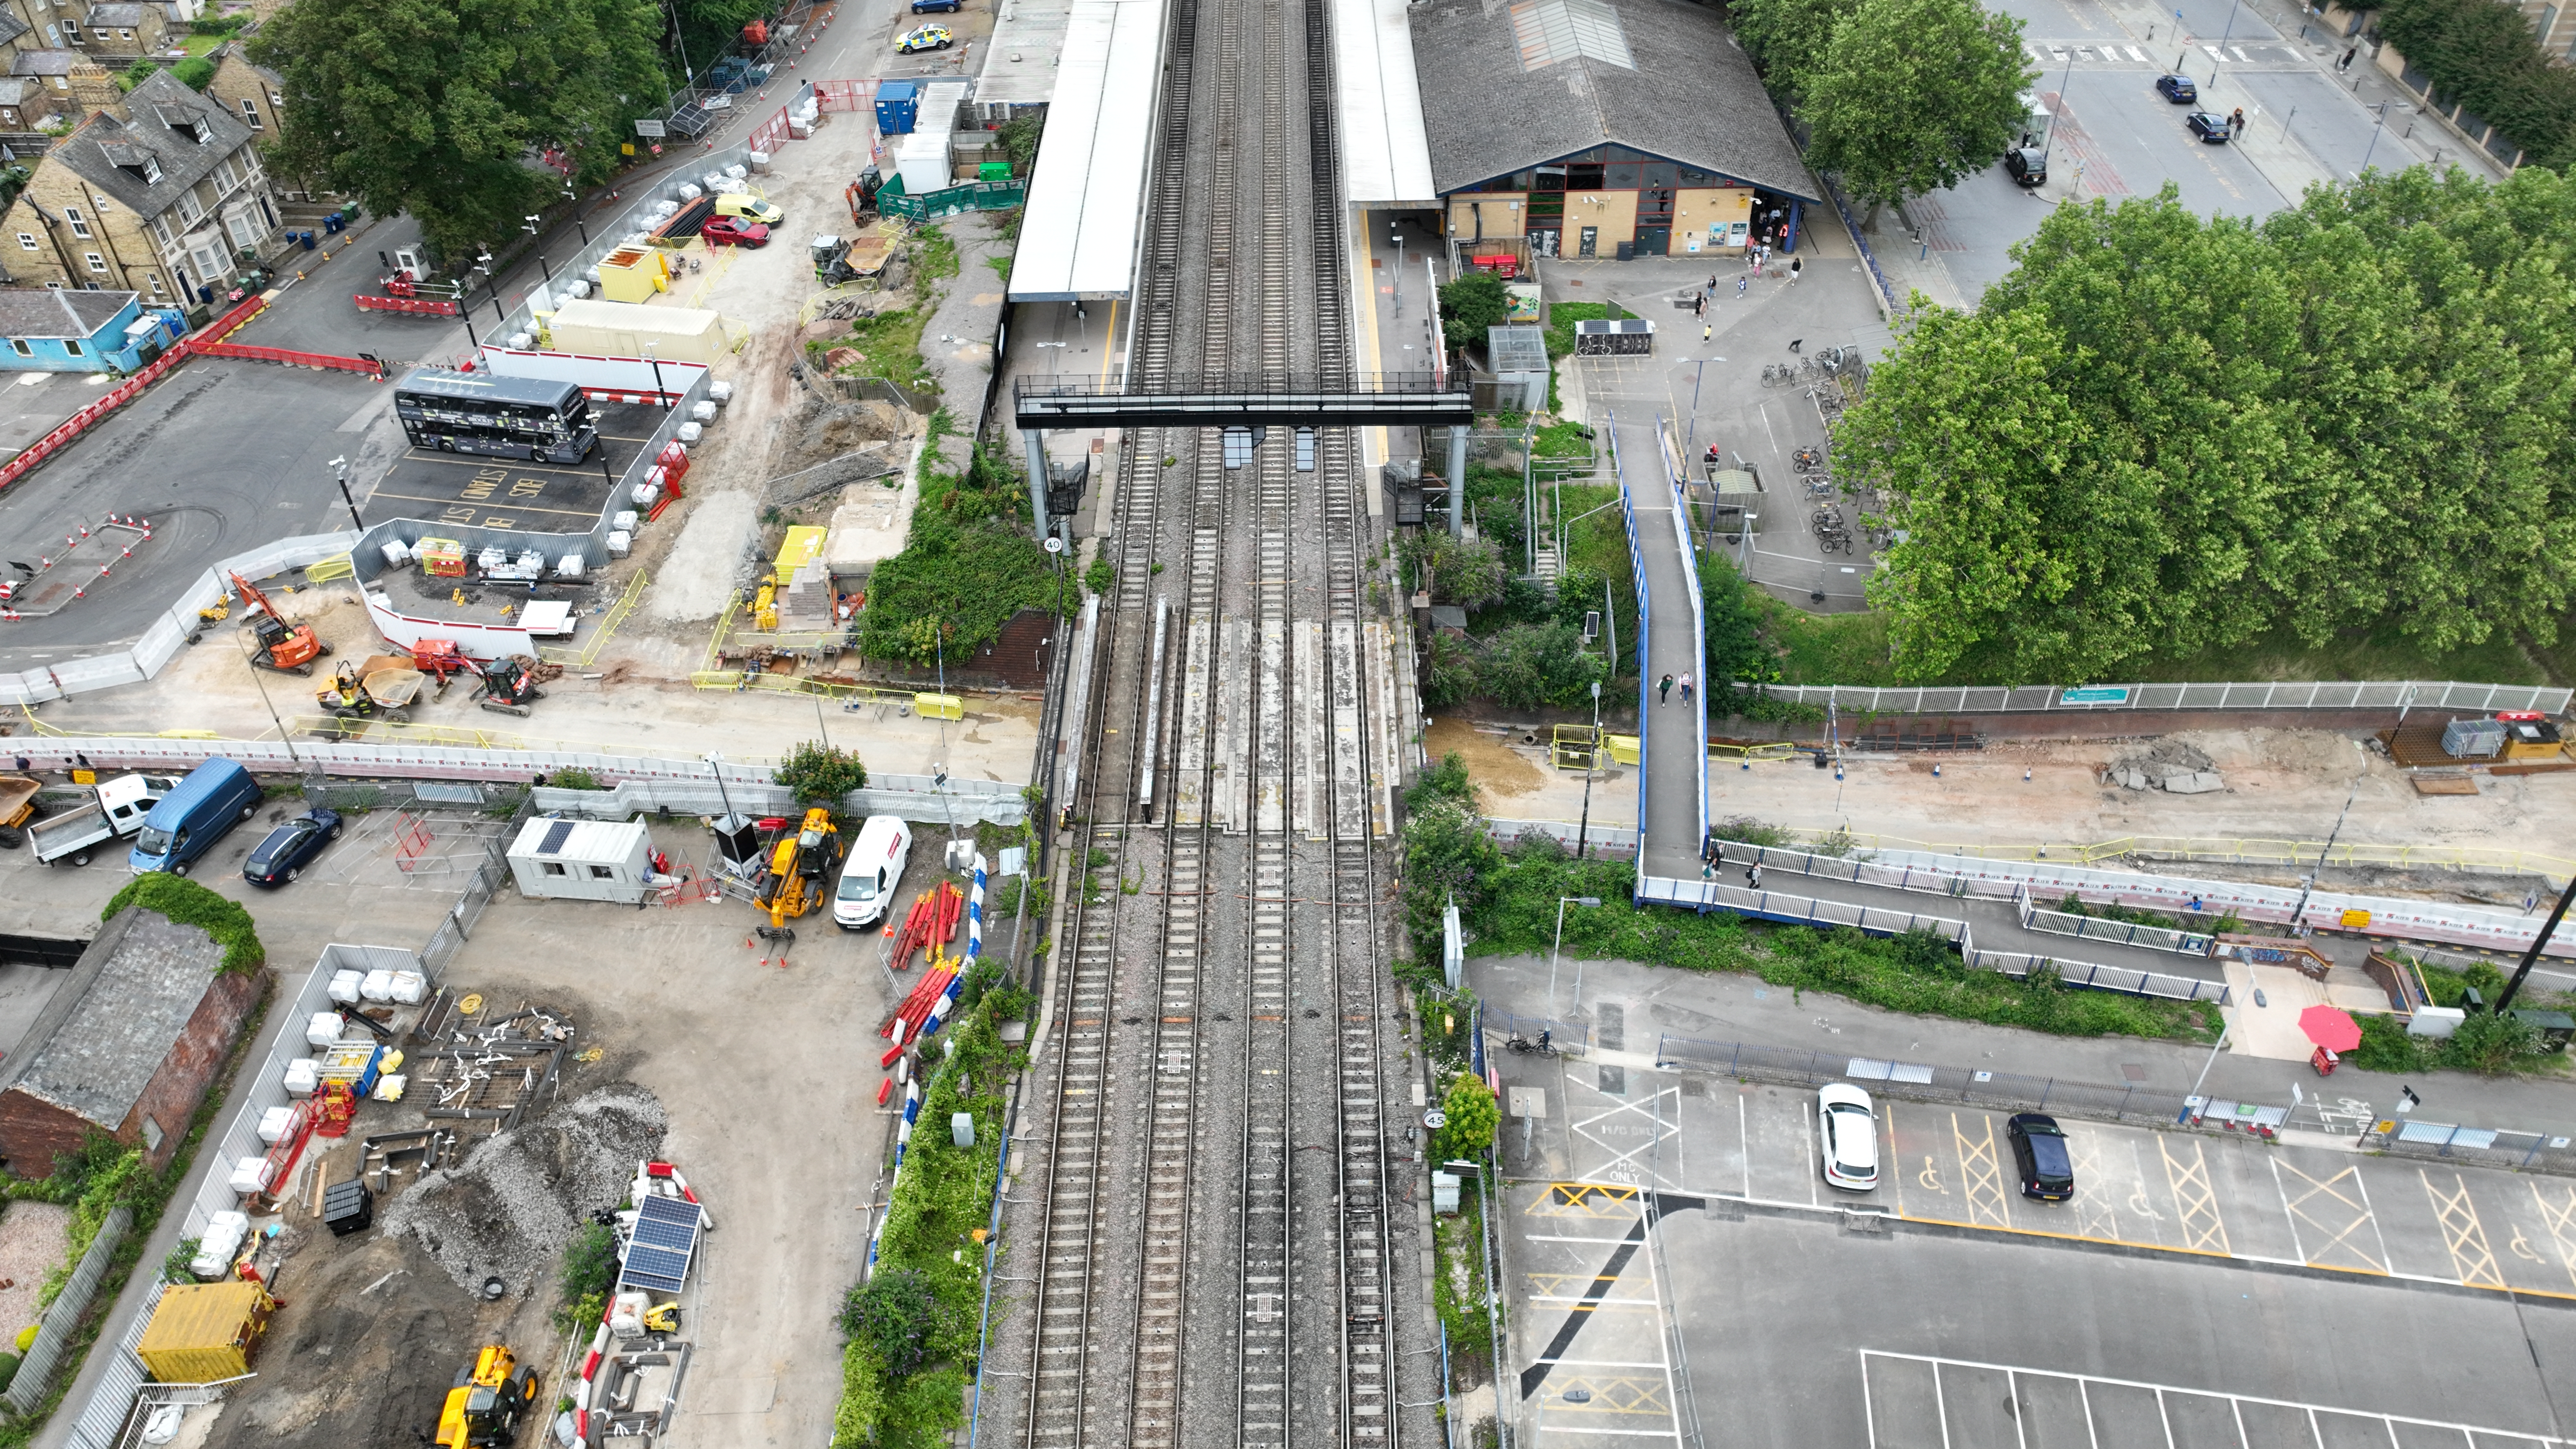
(484, 1409)
(282, 645)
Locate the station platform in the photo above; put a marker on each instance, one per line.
(1386, 162)
(1086, 207)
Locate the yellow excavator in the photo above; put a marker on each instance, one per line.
(484, 1408)
(801, 866)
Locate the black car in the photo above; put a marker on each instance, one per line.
(2040, 1158)
(291, 847)
(2177, 89)
(2210, 127)
(2027, 165)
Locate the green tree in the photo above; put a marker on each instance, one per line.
(1528, 665)
(1787, 38)
(196, 72)
(821, 774)
(1471, 1116)
(898, 1312)
(1446, 780)
(1448, 669)
(1471, 304)
(1465, 572)
(1447, 855)
(1913, 96)
(1019, 137)
(433, 106)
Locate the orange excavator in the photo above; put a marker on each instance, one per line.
(288, 648)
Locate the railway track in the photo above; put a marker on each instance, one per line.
(1213, 1214)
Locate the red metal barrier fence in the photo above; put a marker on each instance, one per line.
(770, 133)
(845, 95)
(208, 342)
(428, 306)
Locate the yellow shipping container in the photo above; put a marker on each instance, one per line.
(634, 274)
(802, 545)
(203, 1332)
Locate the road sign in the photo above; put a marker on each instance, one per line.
(2114, 694)
(650, 128)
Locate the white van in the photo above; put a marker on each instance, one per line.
(872, 873)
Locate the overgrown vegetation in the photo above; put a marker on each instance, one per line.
(822, 774)
(935, 253)
(889, 347)
(1019, 137)
(1471, 304)
(911, 1343)
(574, 777)
(968, 565)
(2485, 1042)
(589, 1272)
(190, 904)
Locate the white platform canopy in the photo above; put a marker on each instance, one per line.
(1087, 202)
(1385, 160)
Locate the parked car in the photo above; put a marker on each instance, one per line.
(747, 207)
(186, 823)
(2177, 88)
(733, 231)
(928, 37)
(872, 872)
(2210, 127)
(2040, 1159)
(926, 7)
(289, 848)
(2027, 165)
(1847, 1137)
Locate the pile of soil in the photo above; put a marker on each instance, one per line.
(512, 1205)
(2169, 764)
(825, 430)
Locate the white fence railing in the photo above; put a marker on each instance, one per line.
(2123, 933)
(168, 633)
(1598, 837)
(2322, 694)
(1713, 895)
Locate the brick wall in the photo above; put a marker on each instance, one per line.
(171, 1097)
(33, 1131)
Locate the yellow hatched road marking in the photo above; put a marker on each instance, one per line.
(2462, 1232)
(1612, 1394)
(1981, 1172)
(2560, 1218)
(2202, 1227)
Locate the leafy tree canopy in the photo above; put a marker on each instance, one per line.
(2163, 434)
(439, 107)
(1787, 38)
(1913, 95)
(1471, 304)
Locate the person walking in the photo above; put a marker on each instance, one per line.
(1705, 328)
(1686, 687)
(2345, 64)
(1663, 689)
(1739, 286)
(1795, 263)
(1753, 875)
(2236, 123)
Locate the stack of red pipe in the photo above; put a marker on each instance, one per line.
(952, 909)
(916, 930)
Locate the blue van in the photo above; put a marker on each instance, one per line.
(215, 797)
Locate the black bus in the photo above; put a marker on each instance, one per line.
(505, 417)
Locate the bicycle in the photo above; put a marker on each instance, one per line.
(1540, 1047)
(1808, 460)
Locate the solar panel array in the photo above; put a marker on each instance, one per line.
(556, 835)
(657, 1256)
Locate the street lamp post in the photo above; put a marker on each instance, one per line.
(2375, 131)
(340, 471)
(542, 269)
(578, 225)
(1398, 238)
(1561, 903)
(2225, 36)
(715, 762)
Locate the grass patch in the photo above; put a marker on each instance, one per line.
(1001, 265)
(905, 1391)
(1561, 317)
(1460, 1285)
(889, 346)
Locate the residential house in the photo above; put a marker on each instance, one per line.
(164, 203)
(125, 1047)
(53, 329)
(25, 104)
(124, 30)
(253, 93)
(80, 84)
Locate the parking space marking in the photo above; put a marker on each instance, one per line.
(1623, 1164)
(1613, 1394)
(1981, 1172)
(2095, 1216)
(2560, 1218)
(2462, 1232)
(2338, 1208)
(2203, 1228)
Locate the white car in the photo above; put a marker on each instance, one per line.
(1847, 1137)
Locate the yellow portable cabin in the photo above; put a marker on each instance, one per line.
(202, 1332)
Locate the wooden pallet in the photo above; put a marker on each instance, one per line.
(2427, 783)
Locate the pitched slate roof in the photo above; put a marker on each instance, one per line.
(1509, 85)
(49, 62)
(163, 108)
(57, 312)
(108, 1029)
(111, 16)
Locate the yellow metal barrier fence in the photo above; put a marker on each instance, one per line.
(386, 732)
(581, 658)
(325, 570)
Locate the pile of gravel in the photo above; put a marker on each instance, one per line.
(2170, 765)
(515, 1201)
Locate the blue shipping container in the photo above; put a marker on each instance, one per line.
(897, 106)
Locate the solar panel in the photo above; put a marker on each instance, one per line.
(556, 835)
(657, 1254)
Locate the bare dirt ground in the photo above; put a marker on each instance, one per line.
(32, 1242)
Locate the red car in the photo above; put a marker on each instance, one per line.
(733, 231)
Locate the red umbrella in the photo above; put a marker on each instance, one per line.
(2331, 1028)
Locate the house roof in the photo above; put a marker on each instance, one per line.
(162, 108)
(50, 62)
(15, 89)
(58, 312)
(126, 15)
(108, 1029)
(1510, 85)
(11, 27)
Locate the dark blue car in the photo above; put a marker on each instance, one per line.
(2177, 89)
(928, 7)
(291, 847)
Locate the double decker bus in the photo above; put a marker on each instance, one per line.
(504, 417)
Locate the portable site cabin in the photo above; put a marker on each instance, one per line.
(583, 860)
(201, 1333)
(622, 329)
